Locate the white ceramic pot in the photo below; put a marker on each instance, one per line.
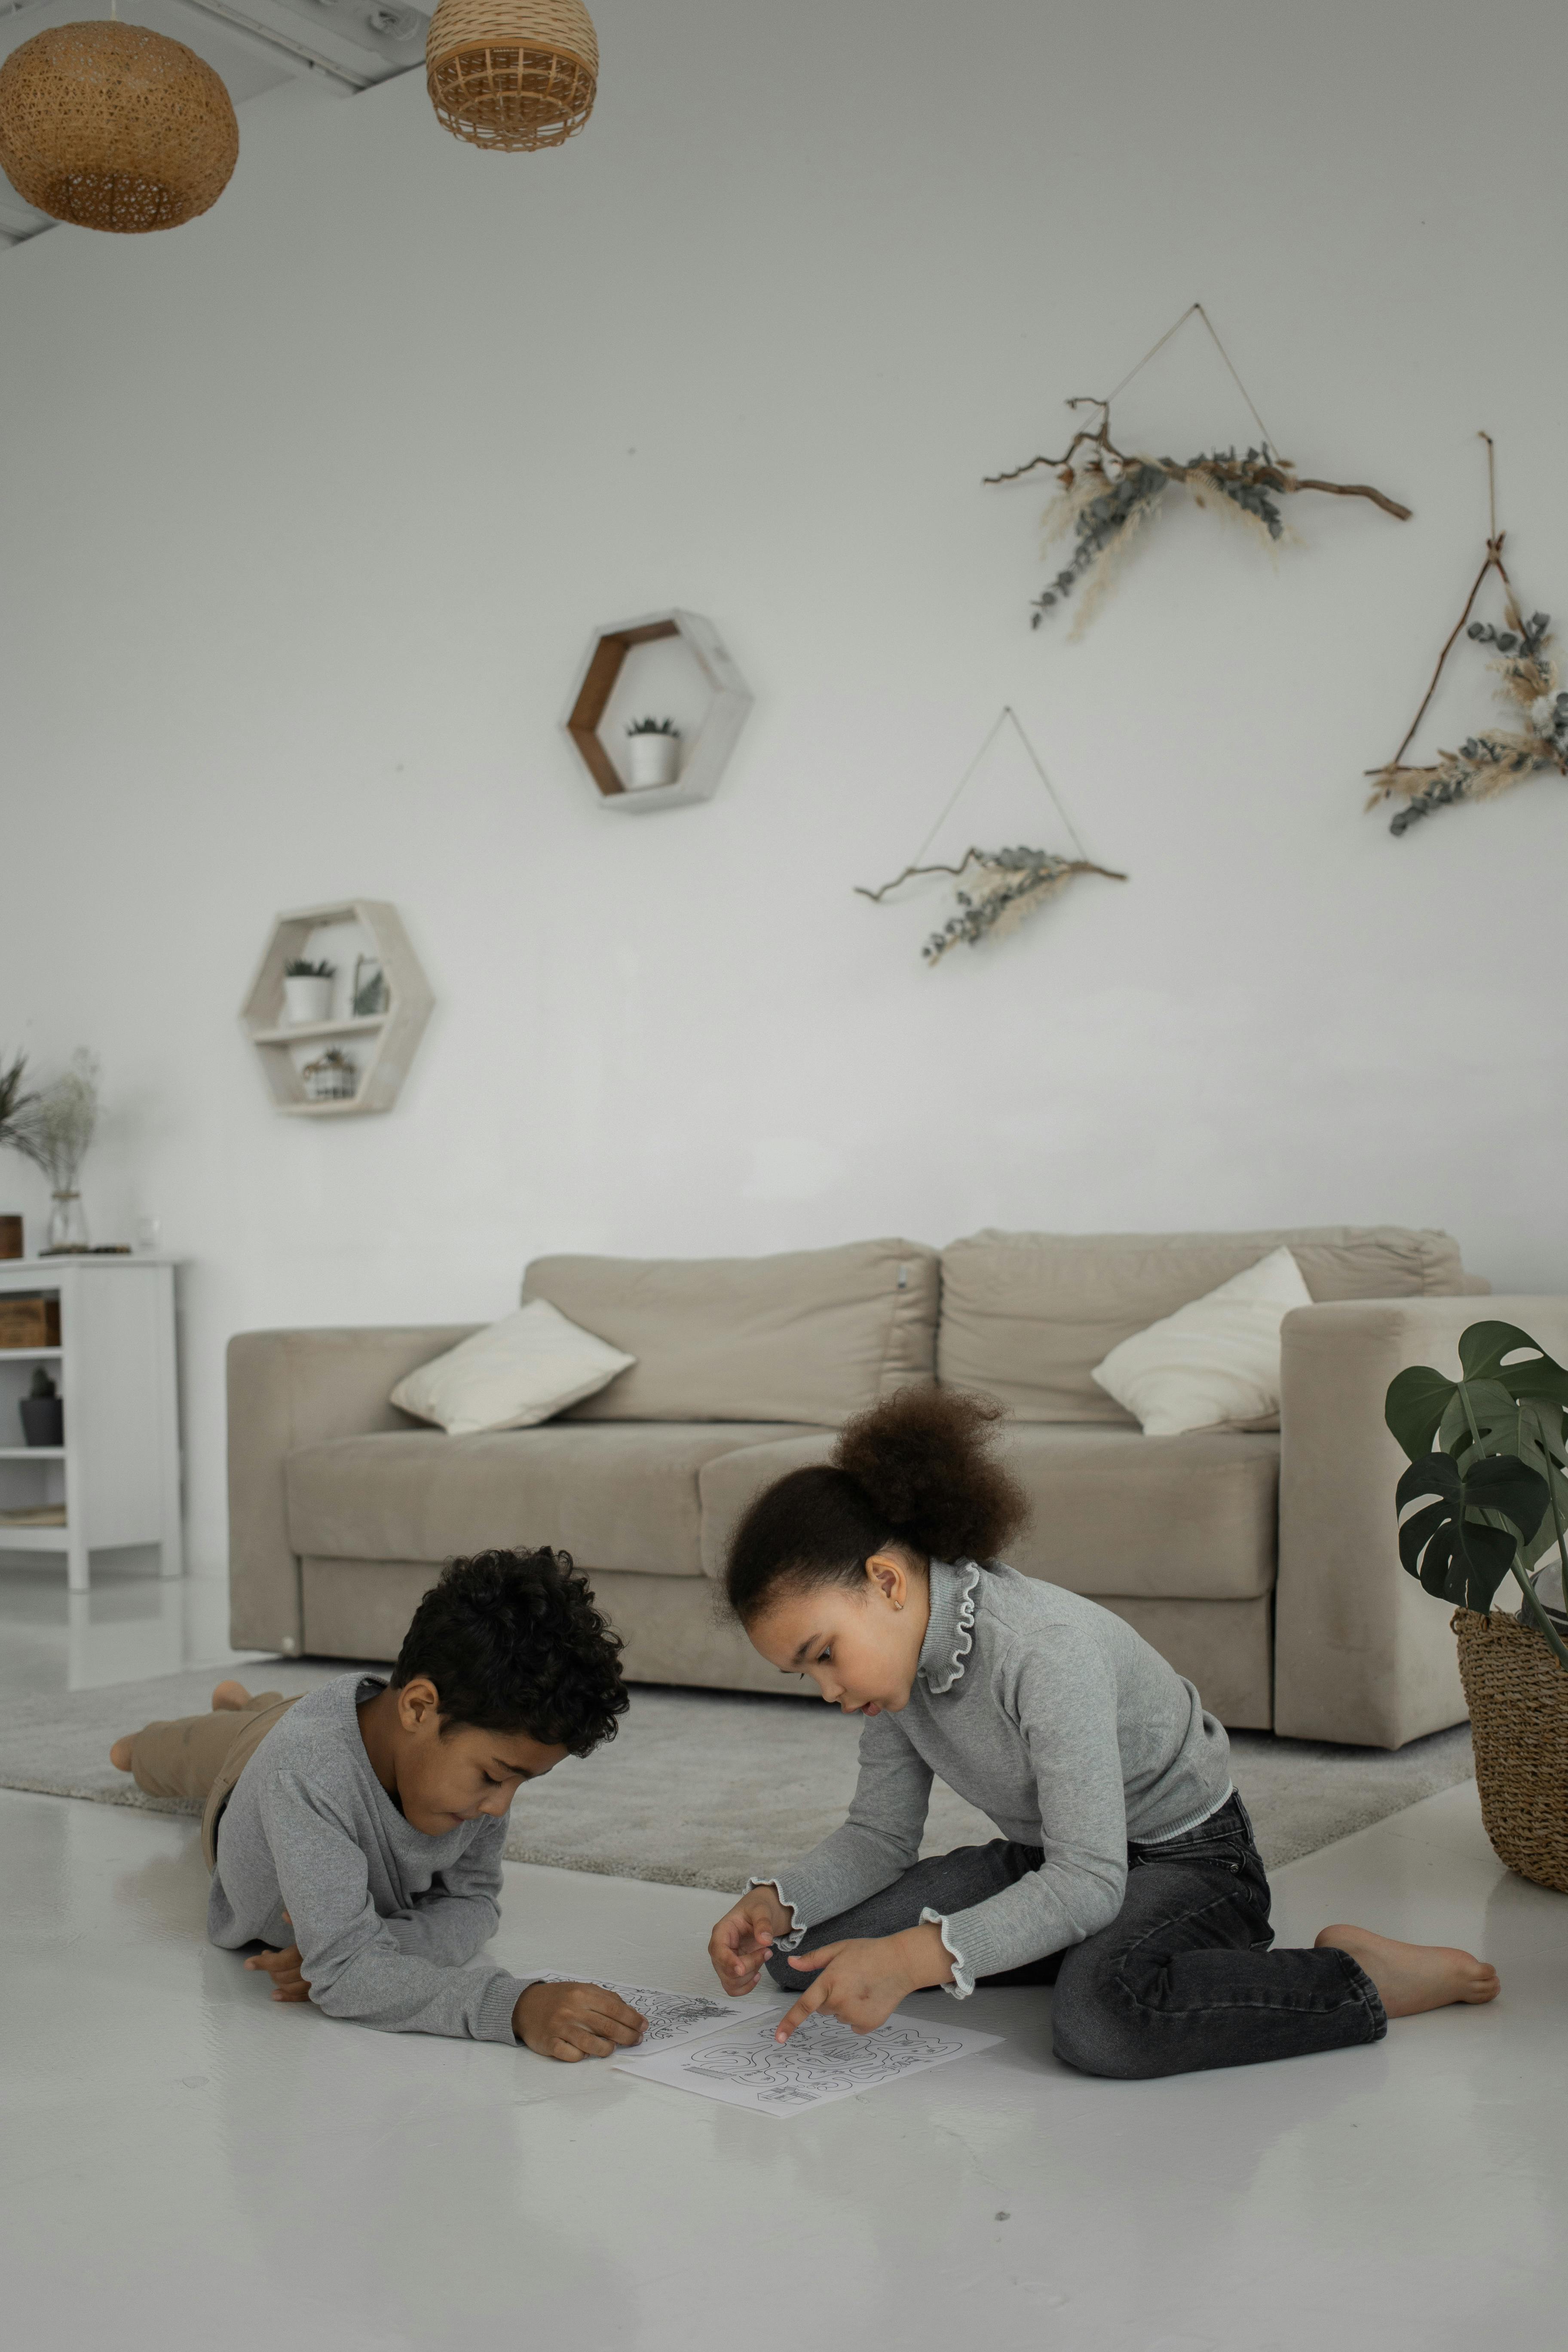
(655, 760)
(308, 1000)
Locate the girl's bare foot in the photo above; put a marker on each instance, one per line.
(1414, 1977)
(229, 1697)
(120, 1754)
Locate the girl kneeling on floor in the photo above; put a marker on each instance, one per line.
(1125, 1873)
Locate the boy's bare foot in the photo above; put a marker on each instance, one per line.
(1414, 1977)
(120, 1754)
(229, 1697)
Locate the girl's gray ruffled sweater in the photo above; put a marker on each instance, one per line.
(1057, 1720)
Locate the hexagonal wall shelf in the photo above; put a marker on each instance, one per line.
(387, 1039)
(708, 753)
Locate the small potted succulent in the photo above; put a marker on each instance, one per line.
(43, 1415)
(308, 991)
(655, 751)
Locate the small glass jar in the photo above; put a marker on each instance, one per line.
(68, 1226)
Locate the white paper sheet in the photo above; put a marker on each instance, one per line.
(677, 2018)
(822, 2061)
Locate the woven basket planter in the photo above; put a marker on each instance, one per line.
(1518, 1696)
(114, 127)
(511, 74)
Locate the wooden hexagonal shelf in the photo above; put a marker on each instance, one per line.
(378, 1046)
(707, 755)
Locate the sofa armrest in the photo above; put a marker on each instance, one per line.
(297, 1388)
(1360, 1653)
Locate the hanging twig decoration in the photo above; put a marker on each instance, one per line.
(1106, 495)
(1013, 882)
(1485, 765)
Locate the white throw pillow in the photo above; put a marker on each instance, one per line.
(1215, 1360)
(512, 1375)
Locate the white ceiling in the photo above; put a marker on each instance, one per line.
(254, 44)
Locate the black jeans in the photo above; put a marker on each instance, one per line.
(1183, 1976)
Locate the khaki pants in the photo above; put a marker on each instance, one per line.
(204, 1756)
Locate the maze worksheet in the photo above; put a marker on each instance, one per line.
(822, 2061)
(677, 2018)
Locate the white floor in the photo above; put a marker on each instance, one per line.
(130, 1626)
(185, 2164)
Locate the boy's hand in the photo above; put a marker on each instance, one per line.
(575, 2020)
(862, 1982)
(283, 1968)
(744, 1936)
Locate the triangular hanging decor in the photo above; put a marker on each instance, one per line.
(1486, 764)
(1008, 882)
(1106, 495)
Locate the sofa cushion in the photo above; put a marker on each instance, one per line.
(1114, 1512)
(1173, 1518)
(623, 1497)
(1026, 1316)
(1214, 1363)
(813, 1335)
(513, 1374)
(730, 1481)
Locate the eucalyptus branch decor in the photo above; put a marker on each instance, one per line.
(1010, 884)
(1486, 764)
(1108, 495)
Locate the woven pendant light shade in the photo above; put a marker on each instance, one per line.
(113, 127)
(512, 74)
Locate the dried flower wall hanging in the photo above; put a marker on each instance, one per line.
(1010, 883)
(1485, 765)
(1107, 495)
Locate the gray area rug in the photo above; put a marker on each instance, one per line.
(703, 1787)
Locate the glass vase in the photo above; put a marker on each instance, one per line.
(67, 1225)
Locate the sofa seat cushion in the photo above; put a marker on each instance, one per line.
(1026, 1316)
(811, 1336)
(729, 1483)
(1188, 1519)
(621, 1496)
(1180, 1518)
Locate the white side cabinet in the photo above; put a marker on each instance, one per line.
(117, 1476)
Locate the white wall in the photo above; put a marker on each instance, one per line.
(306, 511)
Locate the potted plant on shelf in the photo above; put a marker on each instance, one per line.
(1488, 1453)
(43, 1415)
(308, 991)
(655, 751)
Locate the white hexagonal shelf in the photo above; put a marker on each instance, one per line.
(707, 755)
(377, 1046)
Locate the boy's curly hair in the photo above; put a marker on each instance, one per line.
(512, 1641)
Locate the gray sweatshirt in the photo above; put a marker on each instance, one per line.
(384, 1917)
(1058, 1721)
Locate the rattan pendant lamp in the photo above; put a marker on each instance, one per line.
(114, 127)
(512, 74)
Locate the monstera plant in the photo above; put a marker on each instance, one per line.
(1489, 1463)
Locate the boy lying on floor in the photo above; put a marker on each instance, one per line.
(358, 1829)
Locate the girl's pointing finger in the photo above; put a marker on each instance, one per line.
(808, 2002)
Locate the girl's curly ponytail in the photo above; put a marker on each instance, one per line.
(918, 1469)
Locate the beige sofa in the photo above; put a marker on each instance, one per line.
(1261, 1562)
